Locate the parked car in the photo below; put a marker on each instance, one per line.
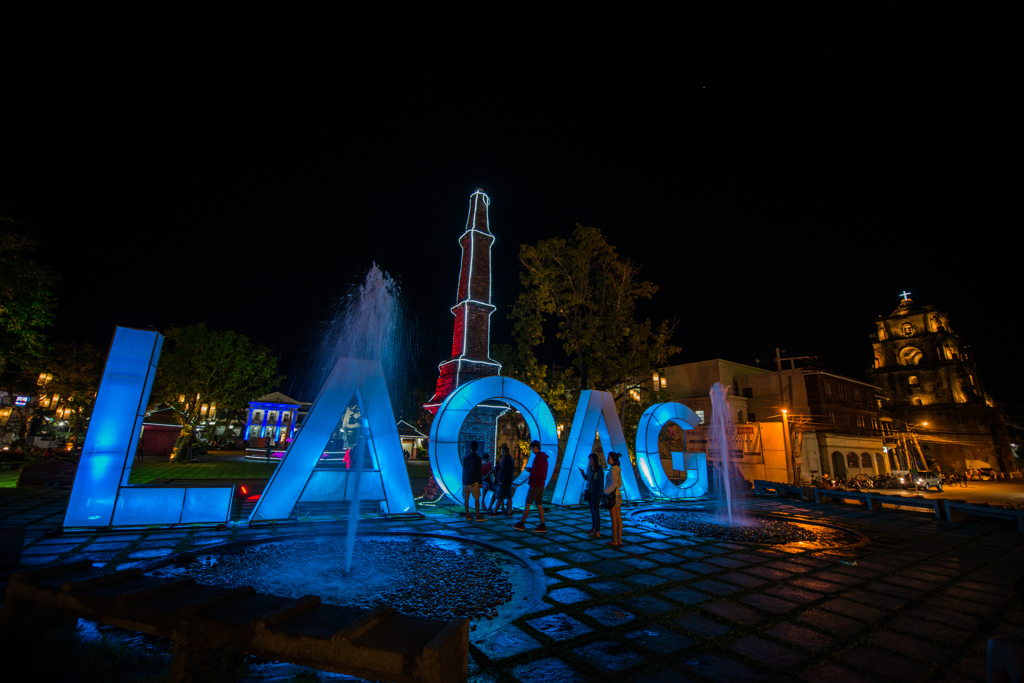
(986, 474)
(926, 480)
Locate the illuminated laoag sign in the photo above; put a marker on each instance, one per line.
(101, 495)
(296, 479)
(595, 414)
(443, 448)
(694, 464)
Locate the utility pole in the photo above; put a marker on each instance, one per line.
(791, 469)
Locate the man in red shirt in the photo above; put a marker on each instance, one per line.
(538, 470)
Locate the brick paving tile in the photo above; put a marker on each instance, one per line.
(749, 558)
(687, 596)
(607, 553)
(794, 594)
(966, 606)
(581, 557)
(833, 673)
(715, 587)
(714, 549)
(559, 626)
(792, 567)
(724, 669)
(894, 590)
(768, 603)
(673, 573)
(633, 549)
(547, 671)
(928, 629)
(800, 636)
(765, 572)
(885, 665)
(506, 642)
(854, 610)
(727, 562)
(879, 566)
(664, 558)
(810, 561)
(690, 554)
(976, 668)
(984, 587)
(926, 577)
(767, 652)
(911, 647)
(576, 574)
(744, 580)
(665, 675)
(887, 602)
(609, 656)
(947, 572)
(648, 604)
(639, 563)
(700, 568)
(568, 596)
(857, 571)
(645, 580)
(831, 622)
(701, 625)
(836, 577)
(815, 585)
(910, 583)
(658, 638)
(733, 612)
(551, 563)
(957, 619)
(610, 567)
(660, 545)
(609, 587)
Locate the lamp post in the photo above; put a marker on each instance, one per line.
(790, 465)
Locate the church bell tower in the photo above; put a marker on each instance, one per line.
(471, 340)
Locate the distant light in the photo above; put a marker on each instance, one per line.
(925, 424)
(784, 410)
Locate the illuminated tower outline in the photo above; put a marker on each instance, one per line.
(471, 338)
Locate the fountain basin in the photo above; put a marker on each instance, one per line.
(423, 575)
(784, 533)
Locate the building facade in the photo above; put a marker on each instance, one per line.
(934, 388)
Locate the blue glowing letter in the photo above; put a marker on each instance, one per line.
(445, 459)
(595, 414)
(100, 495)
(296, 478)
(649, 461)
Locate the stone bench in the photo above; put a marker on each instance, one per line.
(959, 510)
(762, 487)
(381, 645)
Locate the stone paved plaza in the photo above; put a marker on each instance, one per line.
(918, 602)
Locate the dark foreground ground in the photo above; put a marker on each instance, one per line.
(918, 602)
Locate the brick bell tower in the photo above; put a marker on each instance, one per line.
(471, 341)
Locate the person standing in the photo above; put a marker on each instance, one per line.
(613, 487)
(471, 481)
(538, 470)
(506, 472)
(487, 485)
(594, 477)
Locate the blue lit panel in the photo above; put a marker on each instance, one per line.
(443, 448)
(350, 376)
(114, 428)
(649, 460)
(144, 506)
(595, 416)
(338, 485)
(207, 504)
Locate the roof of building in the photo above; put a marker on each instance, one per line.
(277, 397)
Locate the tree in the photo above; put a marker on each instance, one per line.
(200, 367)
(27, 302)
(73, 374)
(591, 292)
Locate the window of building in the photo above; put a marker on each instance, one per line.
(832, 416)
(874, 423)
(865, 460)
(913, 381)
(700, 414)
(739, 417)
(842, 392)
(908, 330)
(828, 389)
(752, 417)
(748, 392)
(860, 420)
(851, 460)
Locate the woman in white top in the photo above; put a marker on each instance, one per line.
(613, 487)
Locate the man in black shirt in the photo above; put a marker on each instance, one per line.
(471, 481)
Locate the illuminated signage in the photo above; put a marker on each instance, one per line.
(21, 400)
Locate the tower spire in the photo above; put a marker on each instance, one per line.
(471, 339)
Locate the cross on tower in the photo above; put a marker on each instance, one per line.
(905, 294)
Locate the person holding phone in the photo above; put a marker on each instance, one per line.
(594, 476)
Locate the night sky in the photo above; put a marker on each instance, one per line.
(769, 212)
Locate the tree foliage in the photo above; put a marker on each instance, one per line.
(27, 302)
(199, 366)
(75, 371)
(584, 285)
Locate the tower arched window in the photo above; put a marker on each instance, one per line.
(910, 356)
(918, 402)
(913, 381)
(908, 330)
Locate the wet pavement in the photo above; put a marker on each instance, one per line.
(916, 603)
